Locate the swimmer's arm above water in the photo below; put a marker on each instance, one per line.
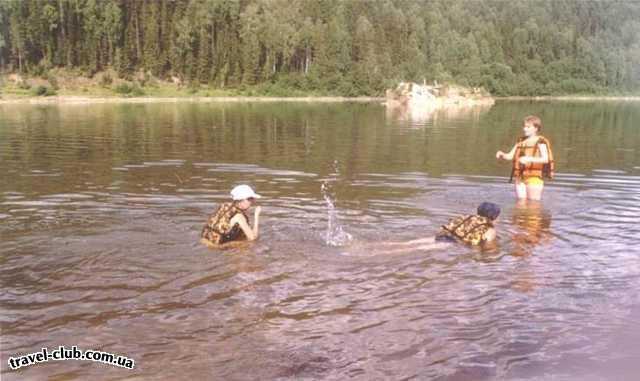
(506, 156)
(490, 235)
(251, 233)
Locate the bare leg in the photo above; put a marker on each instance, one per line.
(419, 241)
(431, 246)
(406, 243)
(534, 192)
(521, 190)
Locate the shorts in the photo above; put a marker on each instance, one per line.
(533, 180)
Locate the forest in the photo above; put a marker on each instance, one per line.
(341, 47)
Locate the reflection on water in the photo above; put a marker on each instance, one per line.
(432, 115)
(529, 228)
(532, 222)
(102, 205)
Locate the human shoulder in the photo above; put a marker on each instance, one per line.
(489, 235)
(238, 217)
(543, 140)
(223, 207)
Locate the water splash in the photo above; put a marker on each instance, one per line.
(335, 235)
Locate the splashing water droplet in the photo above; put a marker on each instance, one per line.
(335, 235)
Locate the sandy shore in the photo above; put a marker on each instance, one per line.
(86, 100)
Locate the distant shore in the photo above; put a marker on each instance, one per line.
(574, 98)
(70, 99)
(73, 99)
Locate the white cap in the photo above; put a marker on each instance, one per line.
(243, 192)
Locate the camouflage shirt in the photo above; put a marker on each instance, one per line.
(218, 228)
(468, 229)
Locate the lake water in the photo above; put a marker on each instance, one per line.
(101, 208)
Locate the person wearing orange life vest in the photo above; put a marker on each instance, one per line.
(229, 223)
(531, 159)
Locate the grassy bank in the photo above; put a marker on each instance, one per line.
(73, 83)
(72, 86)
(35, 88)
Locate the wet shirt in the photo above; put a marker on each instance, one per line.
(468, 229)
(218, 228)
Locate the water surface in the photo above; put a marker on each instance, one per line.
(101, 208)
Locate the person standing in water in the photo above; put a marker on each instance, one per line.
(531, 159)
(230, 223)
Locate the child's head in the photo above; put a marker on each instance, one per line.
(244, 196)
(533, 122)
(489, 210)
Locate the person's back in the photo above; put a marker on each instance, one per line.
(219, 230)
(469, 229)
(474, 229)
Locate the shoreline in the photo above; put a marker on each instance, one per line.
(74, 99)
(77, 99)
(572, 98)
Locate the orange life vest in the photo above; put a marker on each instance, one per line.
(532, 169)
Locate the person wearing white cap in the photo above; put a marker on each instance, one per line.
(230, 222)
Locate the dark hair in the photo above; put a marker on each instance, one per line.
(489, 210)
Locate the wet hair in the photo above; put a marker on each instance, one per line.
(489, 210)
(535, 120)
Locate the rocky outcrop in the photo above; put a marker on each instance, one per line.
(409, 94)
(422, 104)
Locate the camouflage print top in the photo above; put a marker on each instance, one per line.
(218, 228)
(468, 229)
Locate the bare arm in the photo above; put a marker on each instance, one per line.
(490, 235)
(506, 156)
(256, 220)
(240, 220)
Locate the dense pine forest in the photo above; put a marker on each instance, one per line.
(346, 47)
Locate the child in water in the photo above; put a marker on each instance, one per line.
(475, 230)
(471, 229)
(532, 160)
(229, 223)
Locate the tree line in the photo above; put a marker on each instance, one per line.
(347, 47)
